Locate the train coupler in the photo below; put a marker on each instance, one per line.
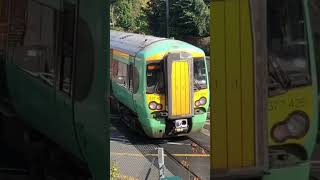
(181, 125)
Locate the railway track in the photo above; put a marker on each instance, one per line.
(198, 143)
(185, 156)
(181, 163)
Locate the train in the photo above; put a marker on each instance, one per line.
(159, 85)
(266, 56)
(54, 85)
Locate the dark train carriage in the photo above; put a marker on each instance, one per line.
(54, 62)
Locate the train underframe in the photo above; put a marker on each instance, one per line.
(158, 127)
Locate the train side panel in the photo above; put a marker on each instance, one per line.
(91, 87)
(31, 75)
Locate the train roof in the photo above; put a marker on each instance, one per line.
(132, 43)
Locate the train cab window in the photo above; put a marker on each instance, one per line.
(314, 6)
(122, 75)
(34, 51)
(288, 60)
(155, 78)
(67, 46)
(199, 72)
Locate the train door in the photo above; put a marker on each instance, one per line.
(66, 47)
(179, 78)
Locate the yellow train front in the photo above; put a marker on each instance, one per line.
(265, 118)
(159, 85)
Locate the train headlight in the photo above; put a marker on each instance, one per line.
(298, 125)
(203, 101)
(294, 127)
(159, 107)
(198, 103)
(153, 105)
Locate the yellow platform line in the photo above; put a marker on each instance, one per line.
(144, 155)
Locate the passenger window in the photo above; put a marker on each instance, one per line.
(287, 45)
(67, 46)
(122, 75)
(34, 45)
(85, 61)
(113, 67)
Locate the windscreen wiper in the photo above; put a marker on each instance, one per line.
(278, 73)
(197, 85)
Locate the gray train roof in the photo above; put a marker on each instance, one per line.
(130, 42)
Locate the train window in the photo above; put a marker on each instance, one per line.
(130, 77)
(34, 49)
(85, 61)
(155, 78)
(67, 46)
(287, 45)
(199, 72)
(113, 66)
(314, 6)
(136, 80)
(122, 75)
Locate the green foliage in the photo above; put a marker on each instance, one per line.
(190, 18)
(114, 171)
(186, 17)
(128, 15)
(156, 14)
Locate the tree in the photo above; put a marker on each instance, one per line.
(190, 18)
(187, 17)
(156, 15)
(128, 15)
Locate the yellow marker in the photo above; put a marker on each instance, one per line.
(156, 155)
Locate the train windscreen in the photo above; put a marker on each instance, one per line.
(155, 78)
(200, 76)
(287, 45)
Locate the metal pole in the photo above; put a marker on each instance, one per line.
(167, 17)
(161, 162)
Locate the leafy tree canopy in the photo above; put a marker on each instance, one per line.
(128, 15)
(187, 17)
